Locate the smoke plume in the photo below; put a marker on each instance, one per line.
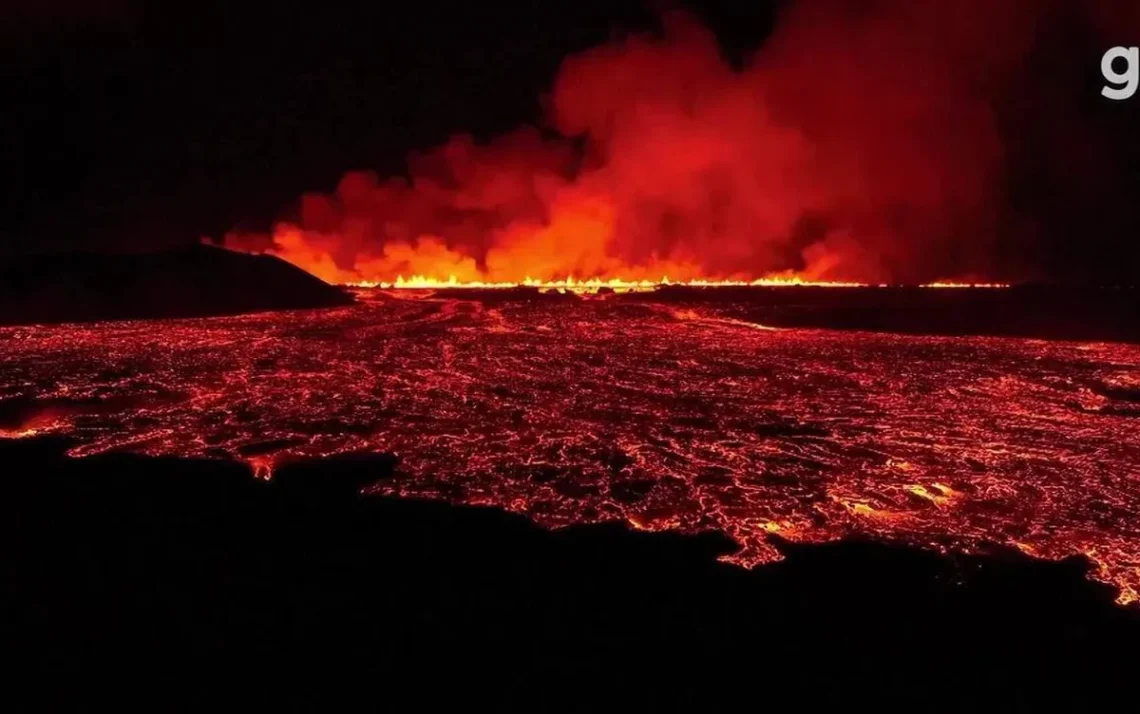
(870, 141)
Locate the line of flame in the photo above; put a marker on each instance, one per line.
(420, 282)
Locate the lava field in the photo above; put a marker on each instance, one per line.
(588, 408)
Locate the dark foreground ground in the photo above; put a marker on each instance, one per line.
(183, 584)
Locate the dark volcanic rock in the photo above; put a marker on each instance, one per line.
(1051, 312)
(196, 281)
(126, 576)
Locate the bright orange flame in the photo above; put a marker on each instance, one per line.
(420, 282)
(428, 259)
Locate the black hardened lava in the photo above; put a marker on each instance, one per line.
(127, 575)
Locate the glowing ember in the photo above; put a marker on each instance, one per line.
(595, 408)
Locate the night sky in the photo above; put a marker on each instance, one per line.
(146, 125)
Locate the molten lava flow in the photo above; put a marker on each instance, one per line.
(579, 410)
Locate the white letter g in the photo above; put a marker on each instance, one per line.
(1128, 78)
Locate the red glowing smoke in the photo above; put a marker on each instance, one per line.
(862, 142)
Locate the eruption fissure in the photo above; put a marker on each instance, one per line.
(421, 282)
